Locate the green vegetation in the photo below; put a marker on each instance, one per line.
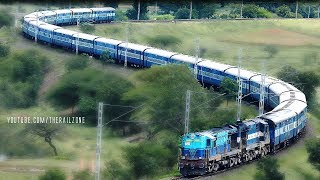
(85, 88)
(285, 11)
(77, 63)
(163, 41)
(268, 170)
(313, 148)
(132, 13)
(147, 159)
(230, 88)
(295, 42)
(114, 170)
(105, 57)
(46, 131)
(87, 28)
(21, 77)
(6, 19)
(306, 81)
(83, 175)
(182, 13)
(162, 17)
(4, 50)
(55, 174)
(253, 11)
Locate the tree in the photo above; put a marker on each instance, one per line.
(285, 11)
(6, 19)
(85, 88)
(54, 173)
(313, 148)
(230, 88)
(21, 77)
(87, 28)
(164, 107)
(268, 170)
(132, 13)
(111, 3)
(121, 15)
(306, 81)
(253, 11)
(184, 13)
(4, 50)
(46, 131)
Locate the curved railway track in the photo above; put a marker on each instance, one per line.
(288, 117)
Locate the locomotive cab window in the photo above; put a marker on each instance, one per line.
(208, 142)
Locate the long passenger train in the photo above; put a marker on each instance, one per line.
(201, 152)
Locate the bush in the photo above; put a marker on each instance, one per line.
(268, 169)
(6, 19)
(163, 41)
(105, 56)
(83, 175)
(313, 148)
(271, 50)
(77, 63)
(147, 159)
(163, 17)
(4, 50)
(87, 28)
(55, 174)
(115, 170)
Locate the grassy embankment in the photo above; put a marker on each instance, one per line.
(293, 39)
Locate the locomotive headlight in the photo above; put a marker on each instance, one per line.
(200, 157)
(183, 157)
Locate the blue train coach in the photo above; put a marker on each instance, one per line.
(106, 45)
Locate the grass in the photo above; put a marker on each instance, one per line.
(219, 40)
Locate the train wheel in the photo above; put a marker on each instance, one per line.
(215, 166)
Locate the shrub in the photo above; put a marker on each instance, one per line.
(313, 148)
(5, 18)
(4, 50)
(83, 175)
(77, 63)
(268, 169)
(105, 56)
(87, 28)
(54, 173)
(163, 17)
(147, 159)
(163, 41)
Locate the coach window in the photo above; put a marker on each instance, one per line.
(208, 142)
